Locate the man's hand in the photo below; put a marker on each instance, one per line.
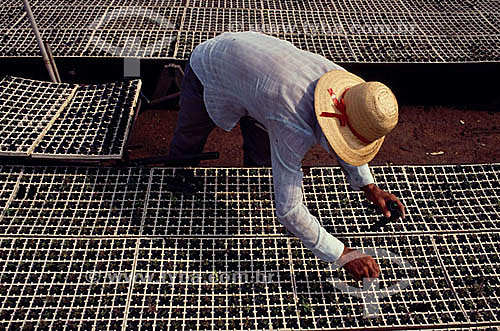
(360, 265)
(379, 197)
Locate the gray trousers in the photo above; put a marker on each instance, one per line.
(194, 125)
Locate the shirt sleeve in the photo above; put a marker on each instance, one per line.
(287, 151)
(357, 176)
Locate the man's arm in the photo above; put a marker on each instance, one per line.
(287, 150)
(287, 155)
(360, 179)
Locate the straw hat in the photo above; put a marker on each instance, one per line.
(371, 112)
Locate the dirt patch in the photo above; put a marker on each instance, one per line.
(424, 135)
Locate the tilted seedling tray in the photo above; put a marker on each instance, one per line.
(27, 108)
(50, 120)
(95, 124)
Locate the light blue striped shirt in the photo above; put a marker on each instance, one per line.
(269, 79)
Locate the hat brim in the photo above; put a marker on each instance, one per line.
(347, 146)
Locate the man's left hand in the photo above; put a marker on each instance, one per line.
(379, 197)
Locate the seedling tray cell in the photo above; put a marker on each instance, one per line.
(95, 124)
(76, 202)
(229, 202)
(26, 109)
(471, 261)
(132, 43)
(60, 283)
(428, 300)
(213, 283)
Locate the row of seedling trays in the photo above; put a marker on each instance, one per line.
(239, 202)
(330, 5)
(244, 283)
(187, 262)
(161, 31)
(50, 120)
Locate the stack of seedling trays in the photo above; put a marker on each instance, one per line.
(110, 248)
(50, 120)
(361, 31)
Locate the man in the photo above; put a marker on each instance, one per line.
(287, 100)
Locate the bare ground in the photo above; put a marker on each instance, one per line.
(424, 135)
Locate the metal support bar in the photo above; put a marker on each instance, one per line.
(52, 61)
(163, 99)
(45, 56)
(167, 161)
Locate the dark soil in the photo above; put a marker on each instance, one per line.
(420, 132)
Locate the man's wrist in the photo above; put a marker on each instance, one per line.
(369, 188)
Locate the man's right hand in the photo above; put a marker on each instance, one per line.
(360, 265)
